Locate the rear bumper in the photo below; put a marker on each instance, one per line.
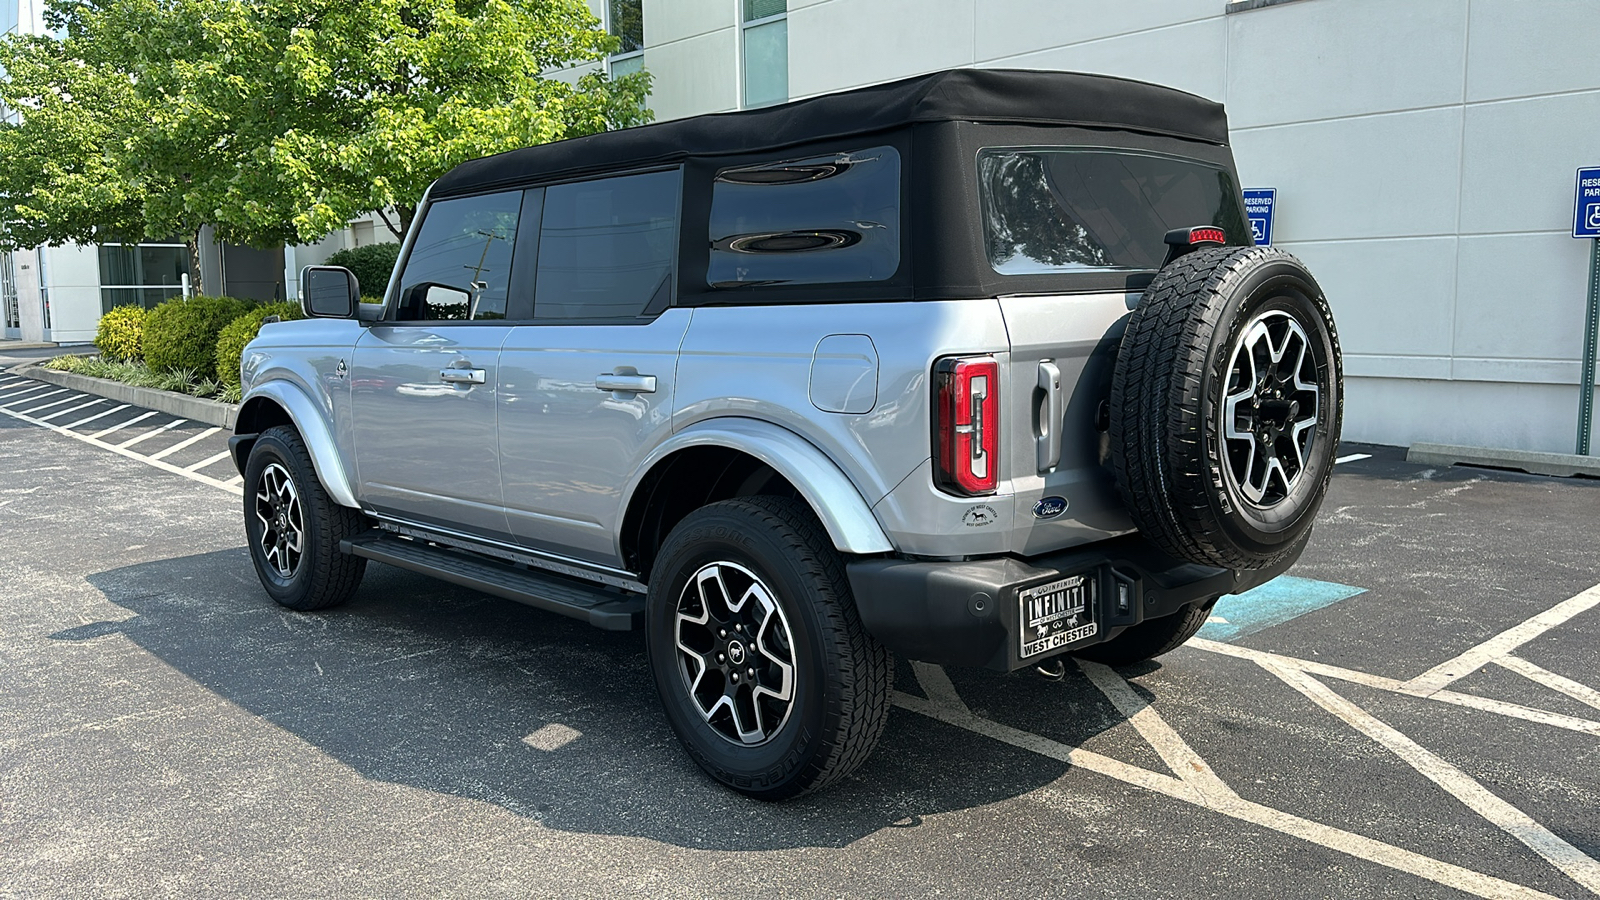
(967, 613)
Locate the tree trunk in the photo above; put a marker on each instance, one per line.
(196, 282)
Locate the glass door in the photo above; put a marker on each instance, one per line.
(8, 299)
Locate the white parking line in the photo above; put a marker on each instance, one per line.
(944, 706)
(1569, 859)
(192, 439)
(1459, 667)
(38, 409)
(150, 434)
(6, 395)
(212, 460)
(1354, 457)
(1173, 749)
(1559, 683)
(120, 425)
(99, 415)
(35, 397)
(72, 409)
(1394, 685)
(123, 451)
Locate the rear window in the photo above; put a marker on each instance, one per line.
(820, 220)
(1058, 209)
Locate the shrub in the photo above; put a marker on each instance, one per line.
(121, 334)
(231, 340)
(182, 334)
(372, 265)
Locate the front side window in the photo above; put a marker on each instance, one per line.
(819, 220)
(460, 263)
(607, 247)
(1054, 209)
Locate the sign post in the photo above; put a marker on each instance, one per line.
(1586, 224)
(1259, 204)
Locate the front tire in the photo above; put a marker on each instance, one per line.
(294, 528)
(763, 667)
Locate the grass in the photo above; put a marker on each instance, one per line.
(183, 381)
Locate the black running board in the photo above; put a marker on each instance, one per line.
(602, 607)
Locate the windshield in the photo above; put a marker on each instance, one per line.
(1064, 209)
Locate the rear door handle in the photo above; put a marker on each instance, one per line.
(1051, 412)
(626, 383)
(461, 376)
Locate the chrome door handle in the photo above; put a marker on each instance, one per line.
(461, 376)
(1051, 411)
(626, 384)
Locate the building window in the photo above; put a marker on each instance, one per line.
(766, 52)
(141, 274)
(625, 22)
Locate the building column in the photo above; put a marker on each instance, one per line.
(29, 305)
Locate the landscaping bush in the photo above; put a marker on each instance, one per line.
(182, 334)
(231, 340)
(121, 334)
(372, 265)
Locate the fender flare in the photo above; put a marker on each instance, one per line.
(312, 424)
(837, 503)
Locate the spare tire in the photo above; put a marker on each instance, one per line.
(1225, 407)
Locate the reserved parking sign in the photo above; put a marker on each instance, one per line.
(1586, 208)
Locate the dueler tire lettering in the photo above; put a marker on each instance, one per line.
(1226, 406)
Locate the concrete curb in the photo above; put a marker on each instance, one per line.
(195, 409)
(1566, 465)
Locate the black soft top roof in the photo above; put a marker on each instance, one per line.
(1010, 96)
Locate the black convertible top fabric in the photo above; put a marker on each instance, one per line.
(1006, 96)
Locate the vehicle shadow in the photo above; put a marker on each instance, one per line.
(420, 683)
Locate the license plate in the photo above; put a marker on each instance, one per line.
(1056, 614)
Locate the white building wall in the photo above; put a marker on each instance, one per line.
(1423, 154)
(74, 274)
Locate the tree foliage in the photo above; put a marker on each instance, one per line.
(280, 120)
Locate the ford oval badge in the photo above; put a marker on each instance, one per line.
(1049, 507)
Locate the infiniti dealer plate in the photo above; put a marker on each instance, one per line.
(1056, 614)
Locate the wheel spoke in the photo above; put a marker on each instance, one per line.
(1269, 409)
(734, 650)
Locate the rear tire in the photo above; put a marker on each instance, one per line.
(1151, 638)
(763, 667)
(294, 528)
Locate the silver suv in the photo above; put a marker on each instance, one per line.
(980, 368)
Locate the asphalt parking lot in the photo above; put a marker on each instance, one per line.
(1417, 714)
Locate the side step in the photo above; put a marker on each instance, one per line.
(600, 606)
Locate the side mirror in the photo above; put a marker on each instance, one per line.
(329, 292)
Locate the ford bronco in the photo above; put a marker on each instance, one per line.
(981, 368)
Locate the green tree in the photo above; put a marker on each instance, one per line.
(280, 120)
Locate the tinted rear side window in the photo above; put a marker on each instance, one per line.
(820, 220)
(607, 247)
(1048, 210)
(463, 251)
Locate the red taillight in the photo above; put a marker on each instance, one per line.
(967, 424)
(1207, 236)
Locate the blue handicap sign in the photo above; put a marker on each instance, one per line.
(1258, 204)
(1586, 207)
